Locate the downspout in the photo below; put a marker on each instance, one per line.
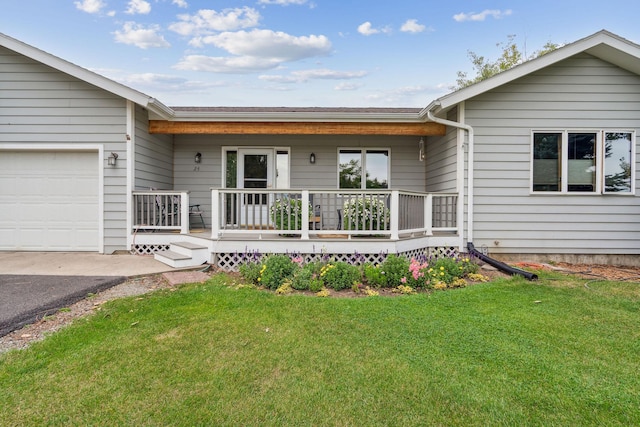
(469, 130)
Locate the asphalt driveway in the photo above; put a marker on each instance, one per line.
(34, 284)
(25, 299)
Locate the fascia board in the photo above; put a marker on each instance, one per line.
(239, 116)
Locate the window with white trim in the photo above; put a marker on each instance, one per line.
(582, 162)
(363, 168)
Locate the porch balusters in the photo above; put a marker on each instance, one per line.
(161, 210)
(404, 213)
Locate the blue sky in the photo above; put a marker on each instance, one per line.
(307, 53)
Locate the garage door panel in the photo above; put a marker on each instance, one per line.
(50, 201)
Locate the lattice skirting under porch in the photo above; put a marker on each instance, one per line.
(148, 249)
(232, 261)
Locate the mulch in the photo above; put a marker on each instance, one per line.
(588, 271)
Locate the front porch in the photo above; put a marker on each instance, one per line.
(311, 223)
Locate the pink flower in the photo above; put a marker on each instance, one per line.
(403, 280)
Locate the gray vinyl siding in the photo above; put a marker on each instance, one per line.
(39, 104)
(153, 156)
(441, 159)
(580, 93)
(407, 172)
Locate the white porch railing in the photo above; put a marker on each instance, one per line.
(381, 213)
(161, 210)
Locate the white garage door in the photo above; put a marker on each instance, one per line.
(48, 201)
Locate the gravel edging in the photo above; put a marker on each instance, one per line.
(22, 338)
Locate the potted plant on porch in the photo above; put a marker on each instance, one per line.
(286, 214)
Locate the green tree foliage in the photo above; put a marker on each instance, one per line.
(510, 57)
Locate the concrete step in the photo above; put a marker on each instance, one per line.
(174, 259)
(184, 254)
(200, 254)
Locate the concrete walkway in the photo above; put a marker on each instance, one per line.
(79, 264)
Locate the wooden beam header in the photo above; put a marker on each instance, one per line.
(295, 128)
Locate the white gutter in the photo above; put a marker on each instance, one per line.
(469, 130)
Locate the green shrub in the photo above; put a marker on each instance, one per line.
(468, 266)
(250, 271)
(308, 278)
(286, 214)
(275, 270)
(445, 269)
(365, 214)
(340, 275)
(395, 268)
(374, 275)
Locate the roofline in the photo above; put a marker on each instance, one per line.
(298, 116)
(583, 45)
(83, 74)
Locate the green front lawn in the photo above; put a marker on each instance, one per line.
(511, 352)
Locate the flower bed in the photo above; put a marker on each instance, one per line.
(287, 273)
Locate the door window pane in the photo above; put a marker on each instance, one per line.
(546, 161)
(282, 169)
(255, 176)
(232, 170)
(617, 162)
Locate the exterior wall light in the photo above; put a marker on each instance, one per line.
(421, 149)
(198, 157)
(111, 160)
(312, 158)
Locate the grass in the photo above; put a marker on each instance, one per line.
(509, 352)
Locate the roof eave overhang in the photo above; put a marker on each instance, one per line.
(295, 117)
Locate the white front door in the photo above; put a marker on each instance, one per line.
(255, 171)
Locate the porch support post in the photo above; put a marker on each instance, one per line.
(305, 215)
(395, 215)
(428, 215)
(184, 212)
(215, 213)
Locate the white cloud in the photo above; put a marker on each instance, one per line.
(138, 7)
(140, 36)
(270, 44)
(282, 2)
(342, 87)
(367, 29)
(231, 65)
(405, 96)
(90, 6)
(256, 50)
(206, 21)
(180, 3)
(412, 26)
(317, 74)
(165, 82)
(472, 16)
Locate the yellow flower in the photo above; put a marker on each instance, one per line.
(441, 268)
(442, 273)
